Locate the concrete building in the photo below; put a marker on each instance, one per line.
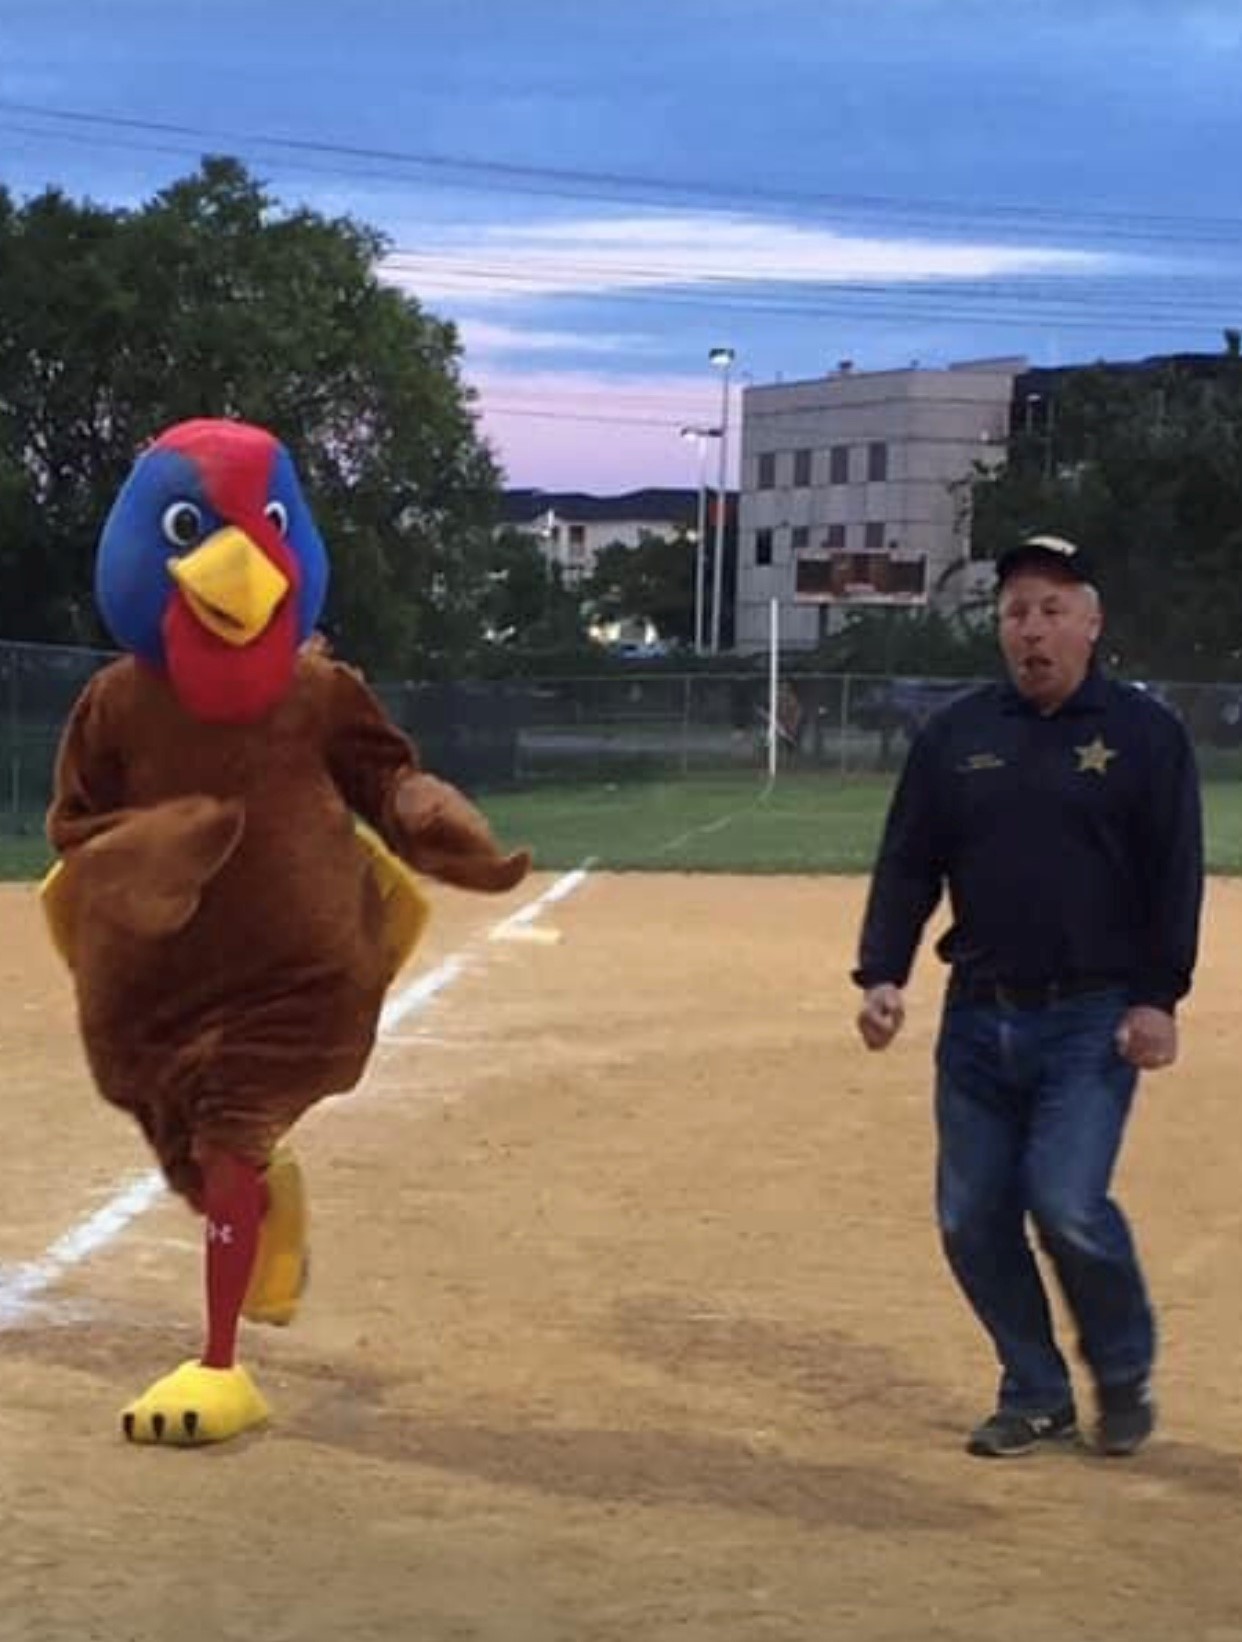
(848, 492)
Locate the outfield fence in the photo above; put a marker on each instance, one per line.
(516, 733)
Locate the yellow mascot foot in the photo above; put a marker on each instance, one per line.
(195, 1405)
(282, 1264)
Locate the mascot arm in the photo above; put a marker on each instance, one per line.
(427, 822)
(88, 788)
(447, 838)
(143, 869)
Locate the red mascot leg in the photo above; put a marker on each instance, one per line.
(214, 1398)
(234, 1202)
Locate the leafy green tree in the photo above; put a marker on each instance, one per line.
(211, 300)
(914, 643)
(59, 298)
(1145, 467)
(653, 581)
(527, 604)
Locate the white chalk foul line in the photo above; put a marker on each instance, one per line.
(22, 1286)
(28, 1282)
(419, 993)
(565, 885)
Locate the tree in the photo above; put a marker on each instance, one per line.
(915, 643)
(652, 582)
(211, 300)
(1145, 467)
(60, 301)
(527, 604)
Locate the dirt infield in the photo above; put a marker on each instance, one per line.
(628, 1322)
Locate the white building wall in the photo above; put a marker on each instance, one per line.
(935, 425)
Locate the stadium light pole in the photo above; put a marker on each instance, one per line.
(722, 359)
(549, 535)
(700, 437)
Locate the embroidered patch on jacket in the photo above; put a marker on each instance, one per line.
(981, 761)
(1095, 757)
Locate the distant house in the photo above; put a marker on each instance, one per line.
(574, 527)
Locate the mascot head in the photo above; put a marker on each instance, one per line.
(210, 567)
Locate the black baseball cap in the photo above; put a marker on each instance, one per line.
(1046, 553)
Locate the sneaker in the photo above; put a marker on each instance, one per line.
(1127, 1417)
(1008, 1433)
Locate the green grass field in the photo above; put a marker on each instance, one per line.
(22, 857)
(805, 824)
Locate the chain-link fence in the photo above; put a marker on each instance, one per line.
(520, 732)
(38, 685)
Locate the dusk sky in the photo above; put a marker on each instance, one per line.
(600, 191)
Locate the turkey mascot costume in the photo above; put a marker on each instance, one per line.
(235, 820)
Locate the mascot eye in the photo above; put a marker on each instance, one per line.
(182, 524)
(278, 514)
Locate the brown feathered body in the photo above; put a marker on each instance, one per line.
(225, 926)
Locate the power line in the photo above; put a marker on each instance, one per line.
(1035, 301)
(1037, 283)
(1147, 312)
(461, 170)
(1009, 302)
(1022, 318)
(814, 432)
(493, 407)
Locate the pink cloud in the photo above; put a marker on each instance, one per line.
(576, 431)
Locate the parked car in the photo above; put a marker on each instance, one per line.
(1227, 720)
(904, 705)
(1211, 712)
(656, 650)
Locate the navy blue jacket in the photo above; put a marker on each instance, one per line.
(1071, 845)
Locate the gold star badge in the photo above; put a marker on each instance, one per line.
(1094, 757)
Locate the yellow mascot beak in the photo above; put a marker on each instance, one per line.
(230, 585)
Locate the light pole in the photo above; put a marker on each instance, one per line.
(700, 437)
(722, 358)
(550, 533)
(1033, 399)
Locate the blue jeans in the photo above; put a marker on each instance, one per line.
(1031, 1107)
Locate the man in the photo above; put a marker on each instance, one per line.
(789, 722)
(1062, 811)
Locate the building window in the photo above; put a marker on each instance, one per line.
(763, 547)
(839, 465)
(873, 539)
(767, 472)
(834, 538)
(802, 469)
(877, 462)
(577, 535)
(799, 538)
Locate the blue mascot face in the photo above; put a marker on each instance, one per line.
(210, 567)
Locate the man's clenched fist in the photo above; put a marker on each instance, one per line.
(879, 1019)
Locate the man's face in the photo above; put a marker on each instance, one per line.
(1048, 628)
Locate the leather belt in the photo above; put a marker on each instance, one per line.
(1029, 994)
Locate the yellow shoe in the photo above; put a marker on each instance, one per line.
(195, 1405)
(282, 1262)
